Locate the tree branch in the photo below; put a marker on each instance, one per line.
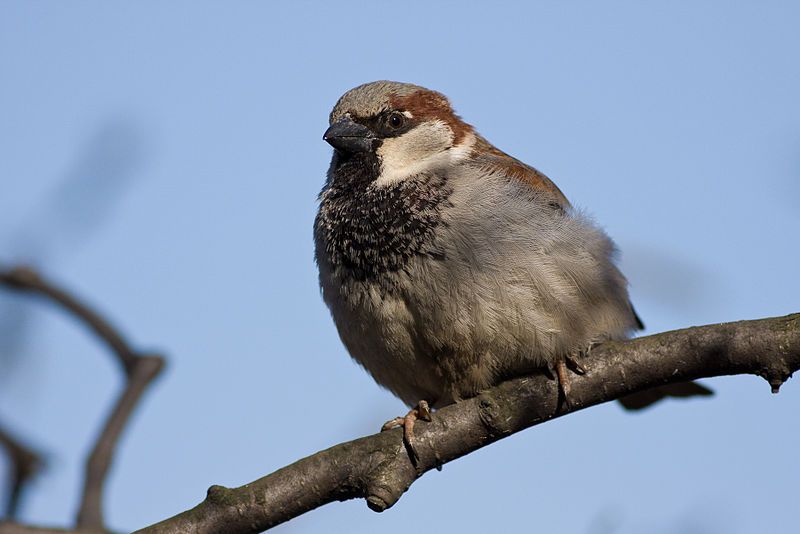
(17, 528)
(24, 465)
(140, 370)
(379, 469)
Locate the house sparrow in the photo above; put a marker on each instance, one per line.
(448, 265)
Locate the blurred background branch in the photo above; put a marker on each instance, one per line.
(140, 369)
(24, 465)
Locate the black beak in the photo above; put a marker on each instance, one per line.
(349, 136)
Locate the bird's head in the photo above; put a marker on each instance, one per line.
(405, 129)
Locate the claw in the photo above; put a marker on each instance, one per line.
(576, 366)
(424, 411)
(394, 423)
(421, 411)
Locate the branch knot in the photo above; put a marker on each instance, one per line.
(493, 417)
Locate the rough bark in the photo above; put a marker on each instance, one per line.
(378, 468)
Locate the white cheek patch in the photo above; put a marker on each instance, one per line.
(425, 148)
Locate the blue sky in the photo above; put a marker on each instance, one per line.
(162, 159)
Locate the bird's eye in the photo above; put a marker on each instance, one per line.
(396, 120)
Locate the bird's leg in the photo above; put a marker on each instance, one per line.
(421, 411)
(563, 377)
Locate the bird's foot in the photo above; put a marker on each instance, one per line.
(561, 368)
(421, 411)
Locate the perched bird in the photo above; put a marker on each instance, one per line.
(449, 265)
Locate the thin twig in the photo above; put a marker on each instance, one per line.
(25, 463)
(140, 370)
(145, 369)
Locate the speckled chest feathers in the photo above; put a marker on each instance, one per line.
(367, 230)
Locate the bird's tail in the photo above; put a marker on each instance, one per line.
(643, 399)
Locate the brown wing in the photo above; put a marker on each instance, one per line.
(497, 161)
